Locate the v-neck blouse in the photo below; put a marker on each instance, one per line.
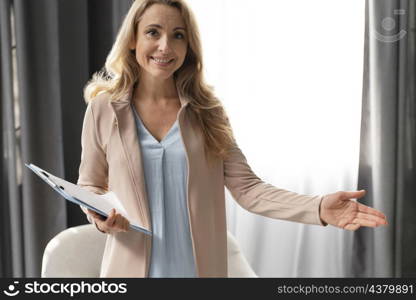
(165, 172)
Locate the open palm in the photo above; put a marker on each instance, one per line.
(339, 210)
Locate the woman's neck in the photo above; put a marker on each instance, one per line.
(155, 90)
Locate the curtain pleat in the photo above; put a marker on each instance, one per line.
(59, 45)
(387, 150)
(12, 241)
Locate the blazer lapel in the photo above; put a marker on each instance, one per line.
(131, 147)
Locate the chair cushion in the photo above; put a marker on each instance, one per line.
(78, 251)
(74, 252)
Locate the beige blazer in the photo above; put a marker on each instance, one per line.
(111, 160)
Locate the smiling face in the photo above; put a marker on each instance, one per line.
(161, 41)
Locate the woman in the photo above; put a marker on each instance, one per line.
(155, 134)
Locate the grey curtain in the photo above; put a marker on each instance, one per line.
(49, 49)
(388, 141)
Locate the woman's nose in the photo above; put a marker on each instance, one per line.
(164, 44)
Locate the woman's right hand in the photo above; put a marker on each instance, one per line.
(113, 223)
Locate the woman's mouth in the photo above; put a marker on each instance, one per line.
(161, 62)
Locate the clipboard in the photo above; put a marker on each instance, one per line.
(101, 204)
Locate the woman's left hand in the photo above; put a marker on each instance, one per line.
(339, 210)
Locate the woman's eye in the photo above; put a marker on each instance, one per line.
(181, 36)
(178, 35)
(151, 32)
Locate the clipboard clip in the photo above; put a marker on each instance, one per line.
(48, 180)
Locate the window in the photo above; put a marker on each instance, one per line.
(290, 76)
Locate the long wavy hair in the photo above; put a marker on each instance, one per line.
(121, 72)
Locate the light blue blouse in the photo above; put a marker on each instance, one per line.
(165, 171)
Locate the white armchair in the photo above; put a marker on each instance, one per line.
(77, 252)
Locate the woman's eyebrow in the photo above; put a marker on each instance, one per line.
(160, 26)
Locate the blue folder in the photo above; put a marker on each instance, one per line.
(80, 196)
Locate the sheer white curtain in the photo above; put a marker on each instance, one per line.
(290, 76)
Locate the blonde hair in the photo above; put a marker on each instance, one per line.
(122, 71)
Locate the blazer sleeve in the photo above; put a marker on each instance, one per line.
(93, 169)
(264, 199)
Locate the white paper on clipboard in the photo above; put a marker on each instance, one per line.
(102, 204)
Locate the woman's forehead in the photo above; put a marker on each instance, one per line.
(162, 15)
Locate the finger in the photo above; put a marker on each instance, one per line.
(352, 227)
(96, 215)
(370, 210)
(101, 224)
(119, 223)
(354, 194)
(364, 222)
(97, 219)
(92, 212)
(111, 218)
(123, 224)
(378, 220)
(127, 225)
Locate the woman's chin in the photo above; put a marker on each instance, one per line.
(162, 75)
